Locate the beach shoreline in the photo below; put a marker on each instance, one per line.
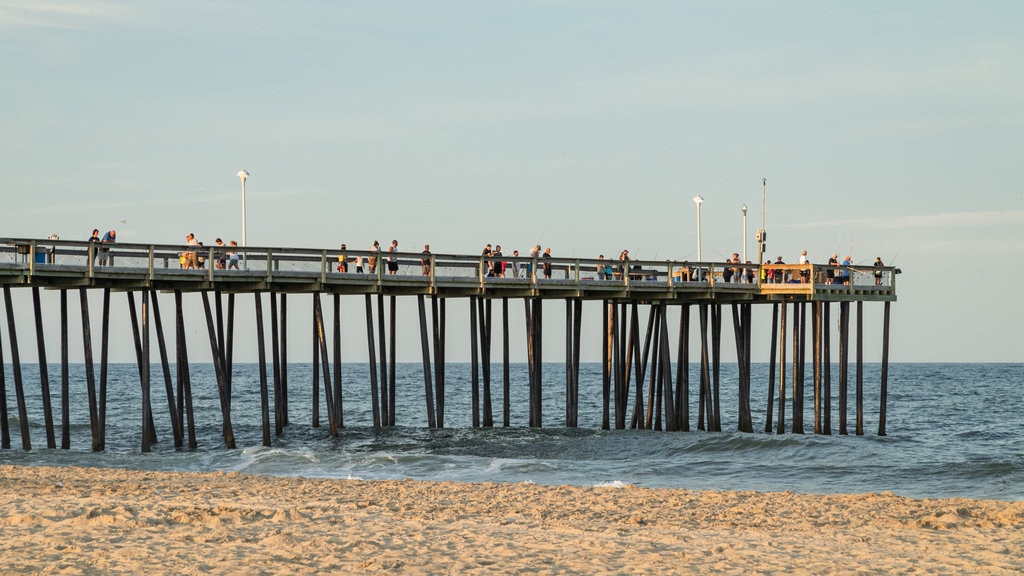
(73, 520)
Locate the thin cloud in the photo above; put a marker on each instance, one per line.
(924, 221)
(58, 15)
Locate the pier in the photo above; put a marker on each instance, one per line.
(643, 386)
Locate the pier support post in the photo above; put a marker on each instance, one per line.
(884, 391)
(219, 369)
(683, 371)
(774, 338)
(44, 376)
(425, 353)
(172, 411)
(261, 351)
(781, 425)
(374, 397)
(19, 389)
(90, 376)
(65, 408)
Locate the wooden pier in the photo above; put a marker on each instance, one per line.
(634, 369)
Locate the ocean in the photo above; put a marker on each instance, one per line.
(952, 430)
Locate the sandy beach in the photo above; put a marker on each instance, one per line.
(104, 521)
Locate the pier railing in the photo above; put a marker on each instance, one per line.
(127, 265)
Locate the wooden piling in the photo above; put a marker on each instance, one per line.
(860, 368)
(797, 375)
(883, 394)
(774, 337)
(716, 349)
(275, 354)
(607, 329)
(781, 425)
(172, 411)
(261, 351)
(184, 380)
(438, 313)
(321, 344)
(485, 356)
(474, 360)
(425, 353)
(506, 374)
(219, 369)
(65, 409)
(5, 424)
(683, 371)
(826, 364)
(339, 413)
(44, 377)
(374, 397)
(90, 375)
(844, 353)
(19, 389)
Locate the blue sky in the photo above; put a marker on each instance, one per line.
(888, 129)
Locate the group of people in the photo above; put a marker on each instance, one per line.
(361, 263)
(497, 267)
(224, 255)
(836, 273)
(101, 255)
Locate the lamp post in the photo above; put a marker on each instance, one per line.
(760, 233)
(744, 208)
(698, 201)
(242, 175)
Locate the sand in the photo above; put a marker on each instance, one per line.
(65, 520)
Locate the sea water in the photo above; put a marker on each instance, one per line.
(952, 430)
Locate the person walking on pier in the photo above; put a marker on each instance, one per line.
(805, 275)
(830, 274)
(392, 260)
(343, 259)
(534, 254)
(190, 256)
(374, 254)
(878, 270)
(600, 267)
(547, 262)
(515, 263)
(95, 238)
(220, 257)
(232, 255)
(425, 260)
(109, 238)
(499, 265)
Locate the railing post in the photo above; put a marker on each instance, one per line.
(323, 266)
(270, 264)
(150, 264)
(211, 264)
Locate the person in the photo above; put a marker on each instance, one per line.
(392, 260)
(219, 255)
(486, 254)
(728, 272)
(95, 238)
(534, 254)
(359, 263)
(108, 238)
(232, 255)
(624, 258)
(547, 262)
(767, 274)
(343, 260)
(845, 274)
(750, 273)
(374, 253)
(805, 275)
(780, 275)
(830, 274)
(878, 270)
(498, 268)
(600, 267)
(190, 257)
(201, 257)
(425, 261)
(515, 263)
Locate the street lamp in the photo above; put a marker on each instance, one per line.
(744, 208)
(698, 201)
(242, 175)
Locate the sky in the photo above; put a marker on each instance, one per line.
(881, 129)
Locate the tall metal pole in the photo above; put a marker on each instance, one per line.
(760, 234)
(698, 201)
(242, 175)
(744, 208)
